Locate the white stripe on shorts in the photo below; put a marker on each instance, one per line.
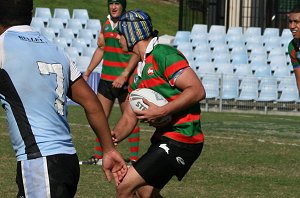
(35, 177)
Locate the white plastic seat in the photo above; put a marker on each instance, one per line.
(282, 71)
(68, 34)
(88, 51)
(82, 15)
(258, 59)
(197, 30)
(243, 70)
(268, 93)
(229, 87)
(61, 42)
(221, 57)
(75, 25)
(234, 34)
(271, 32)
(87, 35)
(203, 56)
(286, 81)
(217, 29)
(63, 14)
(37, 23)
(211, 85)
(56, 24)
(262, 70)
(249, 89)
(181, 37)
(224, 68)
(48, 33)
(79, 43)
(270, 80)
(95, 26)
(72, 52)
(83, 62)
(199, 40)
(239, 58)
(236, 43)
(203, 68)
(44, 14)
(252, 32)
(272, 42)
(289, 93)
(277, 61)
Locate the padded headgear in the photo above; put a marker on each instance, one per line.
(135, 25)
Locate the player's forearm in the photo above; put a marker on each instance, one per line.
(124, 127)
(98, 123)
(96, 59)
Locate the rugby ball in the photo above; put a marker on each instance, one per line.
(136, 102)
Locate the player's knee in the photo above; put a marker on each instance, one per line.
(124, 190)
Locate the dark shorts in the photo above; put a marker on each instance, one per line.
(55, 175)
(106, 89)
(166, 158)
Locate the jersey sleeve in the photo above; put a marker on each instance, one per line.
(293, 56)
(174, 63)
(74, 72)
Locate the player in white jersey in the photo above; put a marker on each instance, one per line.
(35, 80)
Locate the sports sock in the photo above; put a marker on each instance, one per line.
(134, 140)
(98, 150)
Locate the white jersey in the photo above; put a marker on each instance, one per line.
(35, 76)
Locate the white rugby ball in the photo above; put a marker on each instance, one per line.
(136, 102)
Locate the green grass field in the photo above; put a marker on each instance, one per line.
(245, 155)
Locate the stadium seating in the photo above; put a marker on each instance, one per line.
(181, 37)
(82, 15)
(63, 14)
(211, 85)
(44, 14)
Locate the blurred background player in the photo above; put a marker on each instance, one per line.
(36, 111)
(175, 146)
(114, 62)
(294, 45)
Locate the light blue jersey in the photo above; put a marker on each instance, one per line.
(35, 76)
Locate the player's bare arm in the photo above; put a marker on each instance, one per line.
(188, 82)
(112, 160)
(96, 58)
(125, 125)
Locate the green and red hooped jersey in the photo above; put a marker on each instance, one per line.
(160, 66)
(293, 53)
(114, 58)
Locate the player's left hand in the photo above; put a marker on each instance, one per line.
(113, 163)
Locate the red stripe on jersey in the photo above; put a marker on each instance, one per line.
(186, 139)
(113, 49)
(110, 35)
(114, 64)
(188, 118)
(175, 67)
(108, 77)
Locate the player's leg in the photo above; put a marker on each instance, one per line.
(134, 137)
(52, 176)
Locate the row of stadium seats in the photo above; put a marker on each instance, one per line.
(76, 33)
(267, 89)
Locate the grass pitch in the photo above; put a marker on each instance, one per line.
(244, 156)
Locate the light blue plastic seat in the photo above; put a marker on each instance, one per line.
(37, 23)
(268, 93)
(181, 37)
(44, 14)
(56, 24)
(75, 25)
(224, 68)
(68, 34)
(63, 14)
(95, 26)
(229, 87)
(204, 68)
(249, 89)
(211, 85)
(48, 33)
(82, 15)
(243, 70)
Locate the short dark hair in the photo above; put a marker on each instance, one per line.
(15, 12)
(296, 9)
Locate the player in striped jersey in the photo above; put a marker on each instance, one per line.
(35, 79)
(294, 45)
(110, 87)
(176, 145)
